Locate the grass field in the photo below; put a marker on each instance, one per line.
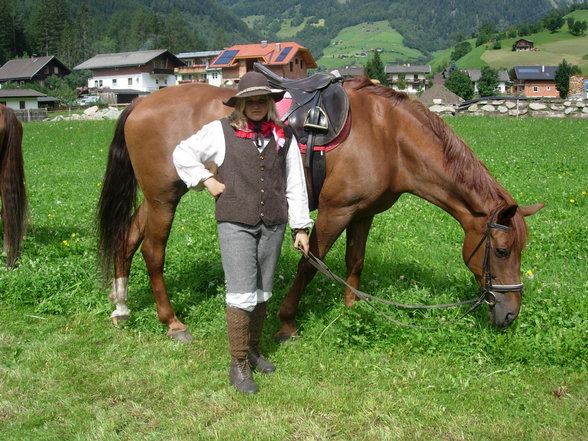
(67, 374)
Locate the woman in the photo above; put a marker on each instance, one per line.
(259, 186)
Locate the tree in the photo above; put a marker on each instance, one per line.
(375, 69)
(562, 77)
(459, 83)
(553, 22)
(12, 38)
(460, 50)
(48, 20)
(577, 28)
(488, 82)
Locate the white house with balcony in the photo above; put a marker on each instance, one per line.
(408, 78)
(121, 77)
(198, 69)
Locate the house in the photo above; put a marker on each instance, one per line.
(523, 45)
(25, 103)
(534, 81)
(503, 79)
(197, 69)
(287, 59)
(349, 72)
(407, 78)
(32, 70)
(121, 77)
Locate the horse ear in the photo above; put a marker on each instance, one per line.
(531, 209)
(506, 214)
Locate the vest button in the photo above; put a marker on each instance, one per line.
(261, 214)
(261, 157)
(262, 179)
(262, 203)
(262, 190)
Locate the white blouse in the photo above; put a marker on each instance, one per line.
(208, 145)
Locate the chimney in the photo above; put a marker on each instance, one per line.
(263, 43)
(278, 47)
(543, 68)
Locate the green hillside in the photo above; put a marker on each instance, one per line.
(346, 47)
(552, 48)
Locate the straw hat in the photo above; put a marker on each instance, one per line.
(254, 84)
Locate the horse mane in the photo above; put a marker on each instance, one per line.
(459, 159)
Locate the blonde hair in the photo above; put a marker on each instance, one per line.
(238, 119)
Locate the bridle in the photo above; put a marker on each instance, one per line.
(488, 290)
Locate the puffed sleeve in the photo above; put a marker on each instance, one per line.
(189, 156)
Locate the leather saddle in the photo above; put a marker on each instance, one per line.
(317, 115)
(319, 105)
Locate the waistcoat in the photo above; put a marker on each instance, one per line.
(255, 182)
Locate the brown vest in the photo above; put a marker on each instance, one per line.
(255, 183)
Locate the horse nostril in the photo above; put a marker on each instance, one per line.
(508, 319)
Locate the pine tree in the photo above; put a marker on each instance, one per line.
(562, 77)
(375, 69)
(49, 19)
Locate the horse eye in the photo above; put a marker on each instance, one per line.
(502, 252)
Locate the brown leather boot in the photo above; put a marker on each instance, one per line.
(238, 322)
(257, 361)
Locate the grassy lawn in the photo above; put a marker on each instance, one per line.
(67, 374)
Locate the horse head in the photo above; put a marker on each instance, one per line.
(493, 254)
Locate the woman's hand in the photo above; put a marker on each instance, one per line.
(301, 240)
(214, 187)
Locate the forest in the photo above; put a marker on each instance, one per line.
(75, 30)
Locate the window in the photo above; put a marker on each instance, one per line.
(22, 105)
(291, 66)
(114, 81)
(130, 81)
(56, 70)
(535, 89)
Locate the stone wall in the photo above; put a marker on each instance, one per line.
(513, 107)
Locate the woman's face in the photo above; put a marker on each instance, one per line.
(256, 108)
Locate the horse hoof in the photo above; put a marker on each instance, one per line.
(182, 336)
(287, 339)
(119, 321)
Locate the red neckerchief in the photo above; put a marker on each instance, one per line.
(266, 129)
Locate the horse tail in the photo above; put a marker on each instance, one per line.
(12, 185)
(118, 199)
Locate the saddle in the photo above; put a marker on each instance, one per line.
(317, 115)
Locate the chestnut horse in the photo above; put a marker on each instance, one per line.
(395, 145)
(12, 184)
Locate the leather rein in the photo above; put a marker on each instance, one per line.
(488, 290)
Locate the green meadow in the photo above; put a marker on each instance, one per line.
(67, 374)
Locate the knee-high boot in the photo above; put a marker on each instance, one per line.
(238, 327)
(257, 361)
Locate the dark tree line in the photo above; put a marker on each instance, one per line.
(75, 31)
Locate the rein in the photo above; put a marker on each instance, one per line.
(488, 291)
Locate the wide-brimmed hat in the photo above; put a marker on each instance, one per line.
(254, 84)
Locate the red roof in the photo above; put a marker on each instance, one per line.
(266, 53)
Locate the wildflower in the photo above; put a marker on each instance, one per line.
(584, 193)
(73, 234)
(182, 228)
(49, 215)
(529, 274)
(65, 243)
(572, 201)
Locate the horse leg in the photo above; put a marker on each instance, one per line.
(122, 268)
(327, 229)
(357, 234)
(157, 229)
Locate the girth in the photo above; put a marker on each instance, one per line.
(317, 115)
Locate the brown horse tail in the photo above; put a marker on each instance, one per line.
(118, 198)
(12, 185)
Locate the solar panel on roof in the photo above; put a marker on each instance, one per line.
(226, 57)
(283, 54)
(529, 70)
